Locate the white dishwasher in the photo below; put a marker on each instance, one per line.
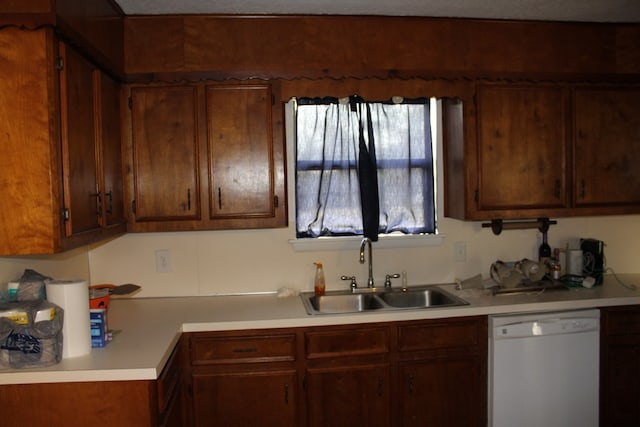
(544, 369)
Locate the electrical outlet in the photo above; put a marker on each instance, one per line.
(163, 261)
(460, 251)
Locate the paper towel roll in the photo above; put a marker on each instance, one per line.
(73, 297)
(575, 262)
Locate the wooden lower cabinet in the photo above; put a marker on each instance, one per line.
(347, 379)
(245, 398)
(619, 367)
(142, 403)
(442, 375)
(349, 395)
(416, 373)
(243, 378)
(444, 392)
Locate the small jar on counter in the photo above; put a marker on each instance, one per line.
(554, 269)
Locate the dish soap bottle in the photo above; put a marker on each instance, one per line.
(318, 285)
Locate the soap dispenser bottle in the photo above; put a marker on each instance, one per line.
(318, 284)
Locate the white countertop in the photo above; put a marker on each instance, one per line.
(149, 328)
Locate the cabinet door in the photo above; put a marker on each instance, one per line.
(240, 147)
(619, 369)
(444, 392)
(356, 395)
(81, 198)
(521, 147)
(245, 398)
(110, 143)
(165, 153)
(29, 167)
(607, 147)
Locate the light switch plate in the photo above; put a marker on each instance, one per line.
(460, 251)
(163, 261)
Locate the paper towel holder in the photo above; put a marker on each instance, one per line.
(497, 225)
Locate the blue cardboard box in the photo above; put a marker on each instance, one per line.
(99, 328)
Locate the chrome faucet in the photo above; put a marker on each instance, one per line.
(366, 241)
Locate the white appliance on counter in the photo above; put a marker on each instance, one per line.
(544, 369)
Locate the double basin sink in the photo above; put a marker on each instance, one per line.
(375, 299)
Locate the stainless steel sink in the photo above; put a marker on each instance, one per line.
(344, 303)
(385, 299)
(419, 299)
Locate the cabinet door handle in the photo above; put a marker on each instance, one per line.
(98, 197)
(557, 189)
(286, 393)
(188, 199)
(110, 203)
(411, 383)
(380, 386)
(219, 198)
(583, 190)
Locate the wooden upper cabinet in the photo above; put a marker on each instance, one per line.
(91, 146)
(165, 153)
(240, 151)
(110, 146)
(29, 167)
(50, 171)
(521, 148)
(196, 142)
(607, 147)
(531, 151)
(81, 195)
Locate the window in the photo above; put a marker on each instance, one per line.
(336, 195)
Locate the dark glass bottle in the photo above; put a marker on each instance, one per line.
(544, 252)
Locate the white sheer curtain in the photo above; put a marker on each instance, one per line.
(328, 187)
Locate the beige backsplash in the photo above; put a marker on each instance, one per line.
(222, 262)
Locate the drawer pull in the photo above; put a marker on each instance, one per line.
(245, 350)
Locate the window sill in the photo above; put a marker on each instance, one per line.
(353, 242)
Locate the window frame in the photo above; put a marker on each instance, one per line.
(392, 240)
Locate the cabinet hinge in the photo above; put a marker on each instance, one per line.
(65, 214)
(304, 383)
(273, 99)
(133, 206)
(276, 201)
(59, 63)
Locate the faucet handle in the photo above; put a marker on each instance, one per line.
(388, 277)
(353, 284)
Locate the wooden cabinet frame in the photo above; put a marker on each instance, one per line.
(234, 157)
(349, 374)
(549, 175)
(47, 180)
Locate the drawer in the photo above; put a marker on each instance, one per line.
(440, 335)
(622, 320)
(347, 342)
(241, 349)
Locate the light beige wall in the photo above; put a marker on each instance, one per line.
(217, 262)
(69, 265)
(220, 262)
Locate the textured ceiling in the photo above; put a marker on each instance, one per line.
(546, 10)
